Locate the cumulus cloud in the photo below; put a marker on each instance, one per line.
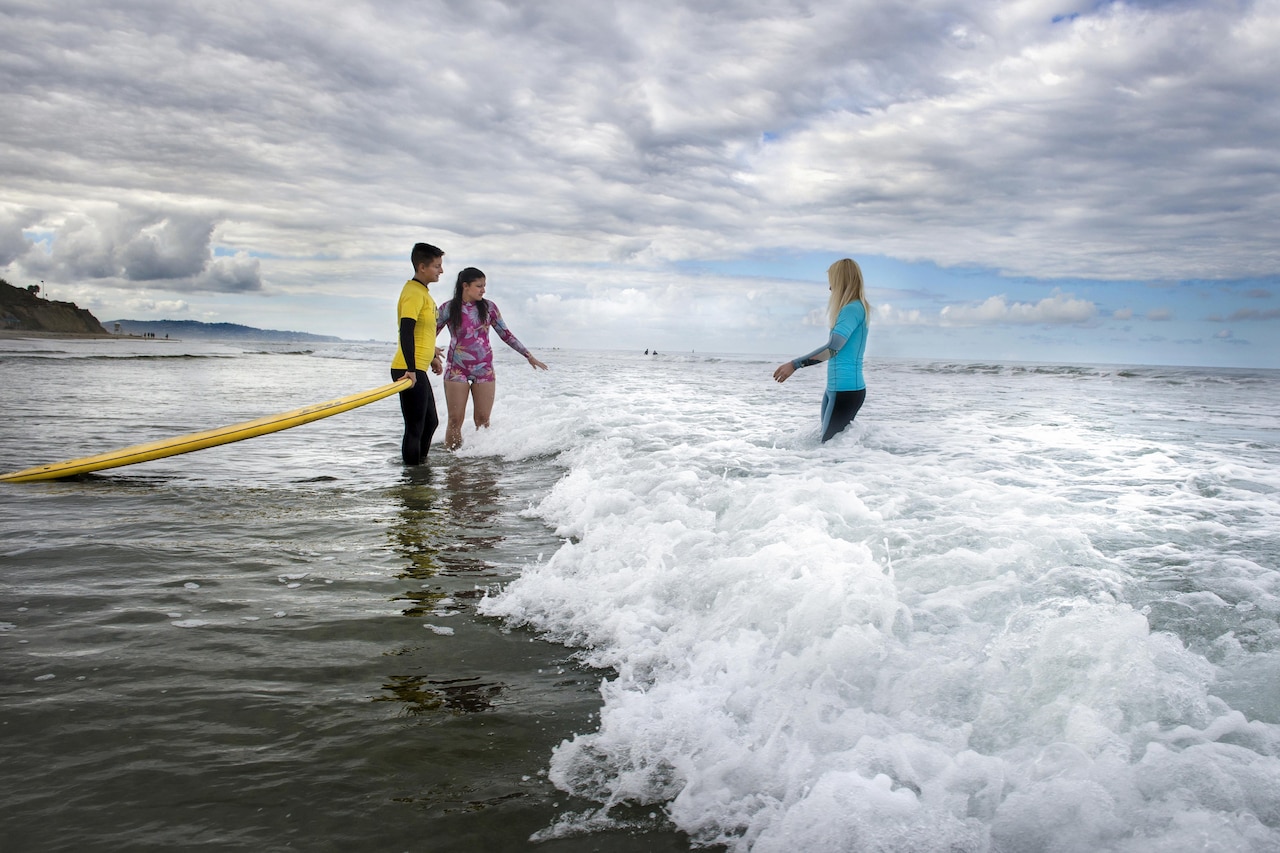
(817, 317)
(78, 249)
(1123, 314)
(13, 243)
(235, 274)
(890, 314)
(1160, 315)
(644, 308)
(119, 247)
(1057, 309)
(176, 247)
(142, 307)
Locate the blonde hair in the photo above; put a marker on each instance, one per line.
(845, 277)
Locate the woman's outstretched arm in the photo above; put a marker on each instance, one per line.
(834, 344)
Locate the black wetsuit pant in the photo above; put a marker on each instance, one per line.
(418, 405)
(839, 408)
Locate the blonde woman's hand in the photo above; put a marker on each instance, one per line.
(784, 371)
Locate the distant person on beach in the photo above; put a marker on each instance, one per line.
(848, 312)
(469, 317)
(416, 348)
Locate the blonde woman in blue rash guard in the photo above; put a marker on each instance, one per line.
(848, 312)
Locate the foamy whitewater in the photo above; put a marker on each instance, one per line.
(1016, 608)
(1012, 608)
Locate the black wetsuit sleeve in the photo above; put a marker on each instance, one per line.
(406, 342)
(828, 350)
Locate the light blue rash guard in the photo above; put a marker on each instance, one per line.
(843, 351)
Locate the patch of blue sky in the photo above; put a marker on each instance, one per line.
(921, 279)
(1263, 287)
(1102, 5)
(41, 238)
(224, 252)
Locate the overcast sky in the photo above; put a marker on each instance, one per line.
(1046, 180)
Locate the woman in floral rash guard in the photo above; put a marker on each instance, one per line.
(469, 367)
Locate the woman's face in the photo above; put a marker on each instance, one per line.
(473, 291)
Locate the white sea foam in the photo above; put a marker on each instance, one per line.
(1010, 608)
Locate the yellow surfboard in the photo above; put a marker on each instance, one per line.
(208, 438)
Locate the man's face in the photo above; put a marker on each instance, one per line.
(430, 271)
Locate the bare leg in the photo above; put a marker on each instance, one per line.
(455, 397)
(482, 394)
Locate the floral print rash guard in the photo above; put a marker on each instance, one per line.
(470, 356)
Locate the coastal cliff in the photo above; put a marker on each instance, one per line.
(23, 311)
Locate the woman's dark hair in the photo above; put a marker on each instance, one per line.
(465, 277)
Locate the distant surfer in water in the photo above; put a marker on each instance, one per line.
(416, 316)
(469, 317)
(848, 312)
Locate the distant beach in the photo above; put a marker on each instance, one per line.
(74, 336)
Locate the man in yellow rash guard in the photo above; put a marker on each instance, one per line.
(416, 316)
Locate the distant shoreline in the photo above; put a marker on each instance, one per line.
(19, 333)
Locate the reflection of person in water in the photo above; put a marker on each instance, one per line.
(443, 528)
(419, 527)
(473, 497)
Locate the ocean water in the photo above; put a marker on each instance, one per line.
(1014, 608)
